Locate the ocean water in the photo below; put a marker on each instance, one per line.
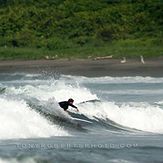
(125, 117)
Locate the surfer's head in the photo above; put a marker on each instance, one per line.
(70, 101)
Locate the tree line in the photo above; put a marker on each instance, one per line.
(58, 24)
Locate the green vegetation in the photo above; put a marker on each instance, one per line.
(32, 29)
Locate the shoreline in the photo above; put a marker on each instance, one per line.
(86, 67)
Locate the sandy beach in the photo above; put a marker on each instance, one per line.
(87, 67)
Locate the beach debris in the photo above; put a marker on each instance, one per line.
(106, 57)
(47, 57)
(51, 57)
(123, 60)
(54, 57)
(142, 59)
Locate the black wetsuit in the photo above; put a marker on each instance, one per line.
(65, 105)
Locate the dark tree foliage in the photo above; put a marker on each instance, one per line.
(64, 23)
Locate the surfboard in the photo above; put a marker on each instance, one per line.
(81, 120)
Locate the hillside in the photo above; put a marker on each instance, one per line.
(67, 27)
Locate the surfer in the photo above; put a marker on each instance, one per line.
(66, 104)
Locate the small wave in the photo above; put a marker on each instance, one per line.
(14, 160)
(17, 120)
(52, 112)
(58, 89)
(139, 116)
(109, 79)
(133, 92)
(132, 117)
(159, 102)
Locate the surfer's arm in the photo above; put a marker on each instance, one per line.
(74, 107)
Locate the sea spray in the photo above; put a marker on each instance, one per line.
(17, 120)
(140, 116)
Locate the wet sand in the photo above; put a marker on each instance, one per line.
(87, 67)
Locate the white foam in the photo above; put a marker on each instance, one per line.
(133, 92)
(120, 161)
(109, 79)
(12, 160)
(159, 102)
(18, 121)
(58, 89)
(22, 74)
(141, 116)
